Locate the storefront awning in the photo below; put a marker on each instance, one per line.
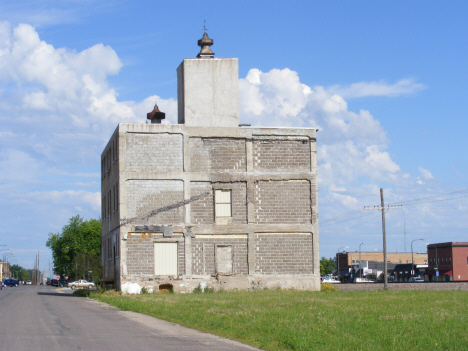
(432, 271)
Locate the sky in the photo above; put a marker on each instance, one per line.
(383, 81)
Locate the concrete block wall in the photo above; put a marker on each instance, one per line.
(217, 154)
(203, 253)
(154, 152)
(281, 154)
(162, 199)
(284, 253)
(202, 210)
(282, 201)
(239, 199)
(140, 252)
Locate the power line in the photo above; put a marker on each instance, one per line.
(356, 214)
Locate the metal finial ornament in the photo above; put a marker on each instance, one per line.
(155, 116)
(205, 42)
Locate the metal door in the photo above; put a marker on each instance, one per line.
(165, 258)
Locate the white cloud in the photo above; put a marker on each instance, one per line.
(405, 86)
(425, 174)
(352, 145)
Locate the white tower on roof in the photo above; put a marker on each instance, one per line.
(208, 89)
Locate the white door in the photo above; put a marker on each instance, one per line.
(224, 259)
(165, 258)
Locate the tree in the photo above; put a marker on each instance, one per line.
(327, 266)
(19, 272)
(77, 249)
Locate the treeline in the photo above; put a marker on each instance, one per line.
(76, 251)
(327, 265)
(20, 273)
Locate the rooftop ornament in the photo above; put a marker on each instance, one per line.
(156, 116)
(205, 42)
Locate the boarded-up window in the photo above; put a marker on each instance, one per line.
(223, 203)
(165, 258)
(224, 259)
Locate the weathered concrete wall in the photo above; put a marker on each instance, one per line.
(281, 154)
(208, 92)
(217, 154)
(140, 252)
(156, 197)
(203, 253)
(283, 201)
(284, 253)
(202, 210)
(154, 152)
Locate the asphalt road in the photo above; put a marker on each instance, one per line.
(44, 318)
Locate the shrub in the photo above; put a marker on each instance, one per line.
(327, 287)
(198, 289)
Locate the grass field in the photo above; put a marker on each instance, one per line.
(300, 320)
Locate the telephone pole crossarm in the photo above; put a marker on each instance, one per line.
(385, 208)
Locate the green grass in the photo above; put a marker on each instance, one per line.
(300, 320)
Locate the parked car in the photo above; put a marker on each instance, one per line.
(330, 280)
(63, 282)
(416, 280)
(10, 282)
(54, 282)
(364, 280)
(1, 285)
(28, 282)
(82, 283)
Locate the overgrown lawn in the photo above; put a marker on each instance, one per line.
(299, 320)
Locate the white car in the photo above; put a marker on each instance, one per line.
(28, 282)
(416, 280)
(82, 283)
(364, 280)
(330, 280)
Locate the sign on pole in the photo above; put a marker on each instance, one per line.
(57, 276)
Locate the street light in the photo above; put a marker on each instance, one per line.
(338, 260)
(412, 260)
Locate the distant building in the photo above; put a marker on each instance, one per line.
(350, 262)
(448, 261)
(403, 272)
(208, 200)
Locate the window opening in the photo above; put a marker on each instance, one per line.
(223, 203)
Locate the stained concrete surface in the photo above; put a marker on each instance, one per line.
(44, 318)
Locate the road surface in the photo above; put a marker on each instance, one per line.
(44, 318)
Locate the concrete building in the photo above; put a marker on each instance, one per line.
(209, 201)
(448, 261)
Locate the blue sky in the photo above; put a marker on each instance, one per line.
(385, 81)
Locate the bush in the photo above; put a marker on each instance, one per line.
(327, 287)
(198, 289)
(82, 292)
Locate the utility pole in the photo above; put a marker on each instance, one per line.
(383, 209)
(404, 228)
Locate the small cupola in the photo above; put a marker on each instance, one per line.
(156, 116)
(205, 42)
